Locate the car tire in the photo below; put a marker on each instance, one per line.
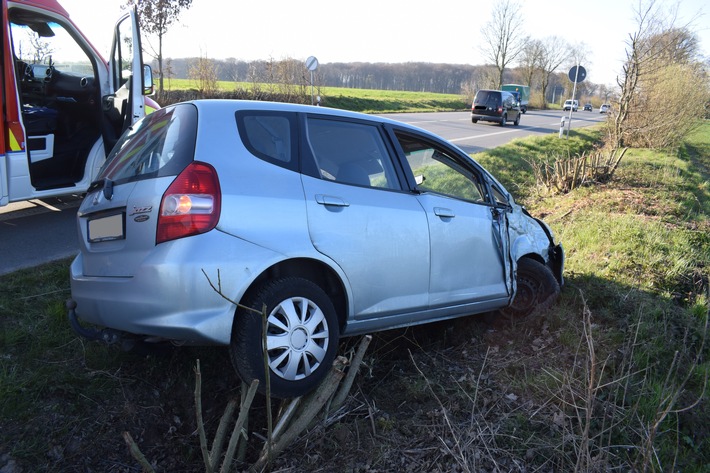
(473, 120)
(504, 120)
(537, 290)
(301, 332)
(517, 120)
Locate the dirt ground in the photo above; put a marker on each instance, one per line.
(430, 398)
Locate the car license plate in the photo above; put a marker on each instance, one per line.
(107, 228)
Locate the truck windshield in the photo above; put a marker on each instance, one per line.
(43, 44)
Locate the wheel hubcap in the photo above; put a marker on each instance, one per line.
(299, 338)
(525, 297)
(296, 338)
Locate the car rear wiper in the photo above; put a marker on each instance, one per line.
(106, 184)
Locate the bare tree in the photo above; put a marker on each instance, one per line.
(503, 36)
(156, 16)
(530, 60)
(662, 66)
(554, 52)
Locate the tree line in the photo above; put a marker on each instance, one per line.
(411, 76)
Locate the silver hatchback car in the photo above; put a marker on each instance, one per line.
(208, 214)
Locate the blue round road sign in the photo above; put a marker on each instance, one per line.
(576, 75)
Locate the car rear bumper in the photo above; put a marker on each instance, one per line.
(486, 118)
(173, 296)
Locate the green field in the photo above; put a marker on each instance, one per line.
(360, 100)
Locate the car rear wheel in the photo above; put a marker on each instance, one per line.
(504, 120)
(517, 120)
(537, 290)
(473, 120)
(301, 337)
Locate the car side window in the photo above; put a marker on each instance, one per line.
(269, 136)
(437, 170)
(351, 153)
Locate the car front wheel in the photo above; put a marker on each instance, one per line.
(301, 337)
(537, 290)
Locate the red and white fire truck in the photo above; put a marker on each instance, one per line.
(63, 105)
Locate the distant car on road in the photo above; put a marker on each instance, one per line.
(571, 105)
(208, 214)
(495, 106)
(605, 108)
(587, 106)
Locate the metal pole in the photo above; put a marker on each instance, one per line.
(574, 93)
(311, 87)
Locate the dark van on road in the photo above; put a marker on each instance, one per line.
(495, 106)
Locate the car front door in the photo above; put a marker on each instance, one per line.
(359, 217)
(469, 243)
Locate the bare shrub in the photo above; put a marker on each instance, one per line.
(672, 101)
(204, 72)
(664, 85)
(564, 174)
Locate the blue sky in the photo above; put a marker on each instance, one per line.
(446, 31)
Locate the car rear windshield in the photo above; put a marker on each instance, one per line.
(161, 144)
(487, 97)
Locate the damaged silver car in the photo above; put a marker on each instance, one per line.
(208, 214)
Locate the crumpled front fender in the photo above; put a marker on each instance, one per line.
(532, 237)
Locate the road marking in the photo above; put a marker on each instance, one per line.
(482, 136)
(45, 205)
(496, 133)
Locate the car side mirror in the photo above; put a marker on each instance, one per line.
(148, 80)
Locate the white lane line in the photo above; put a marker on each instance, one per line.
(45, 205)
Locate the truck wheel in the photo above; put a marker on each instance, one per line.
(537, 290)
(301, 337)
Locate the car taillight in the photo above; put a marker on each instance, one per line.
(191, 205)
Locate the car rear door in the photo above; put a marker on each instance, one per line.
(359, 217)
(117, 219)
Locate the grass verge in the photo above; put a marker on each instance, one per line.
(613, 378)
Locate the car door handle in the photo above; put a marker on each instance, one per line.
(444, 212)
(331, 200)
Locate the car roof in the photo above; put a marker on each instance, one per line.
(217, 105)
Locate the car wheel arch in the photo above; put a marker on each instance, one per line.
(537, 289)
(316, 271)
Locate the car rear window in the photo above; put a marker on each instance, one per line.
(488, 98)
(161, 144)
(269, 136)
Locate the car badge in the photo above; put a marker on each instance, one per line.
(141, 210)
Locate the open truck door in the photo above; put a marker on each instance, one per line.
(12, 136)
(64, 105)
(127, 79)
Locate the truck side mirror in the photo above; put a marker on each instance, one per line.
(147, 80)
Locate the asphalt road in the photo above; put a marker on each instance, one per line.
(35, 232)
(473, 138)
